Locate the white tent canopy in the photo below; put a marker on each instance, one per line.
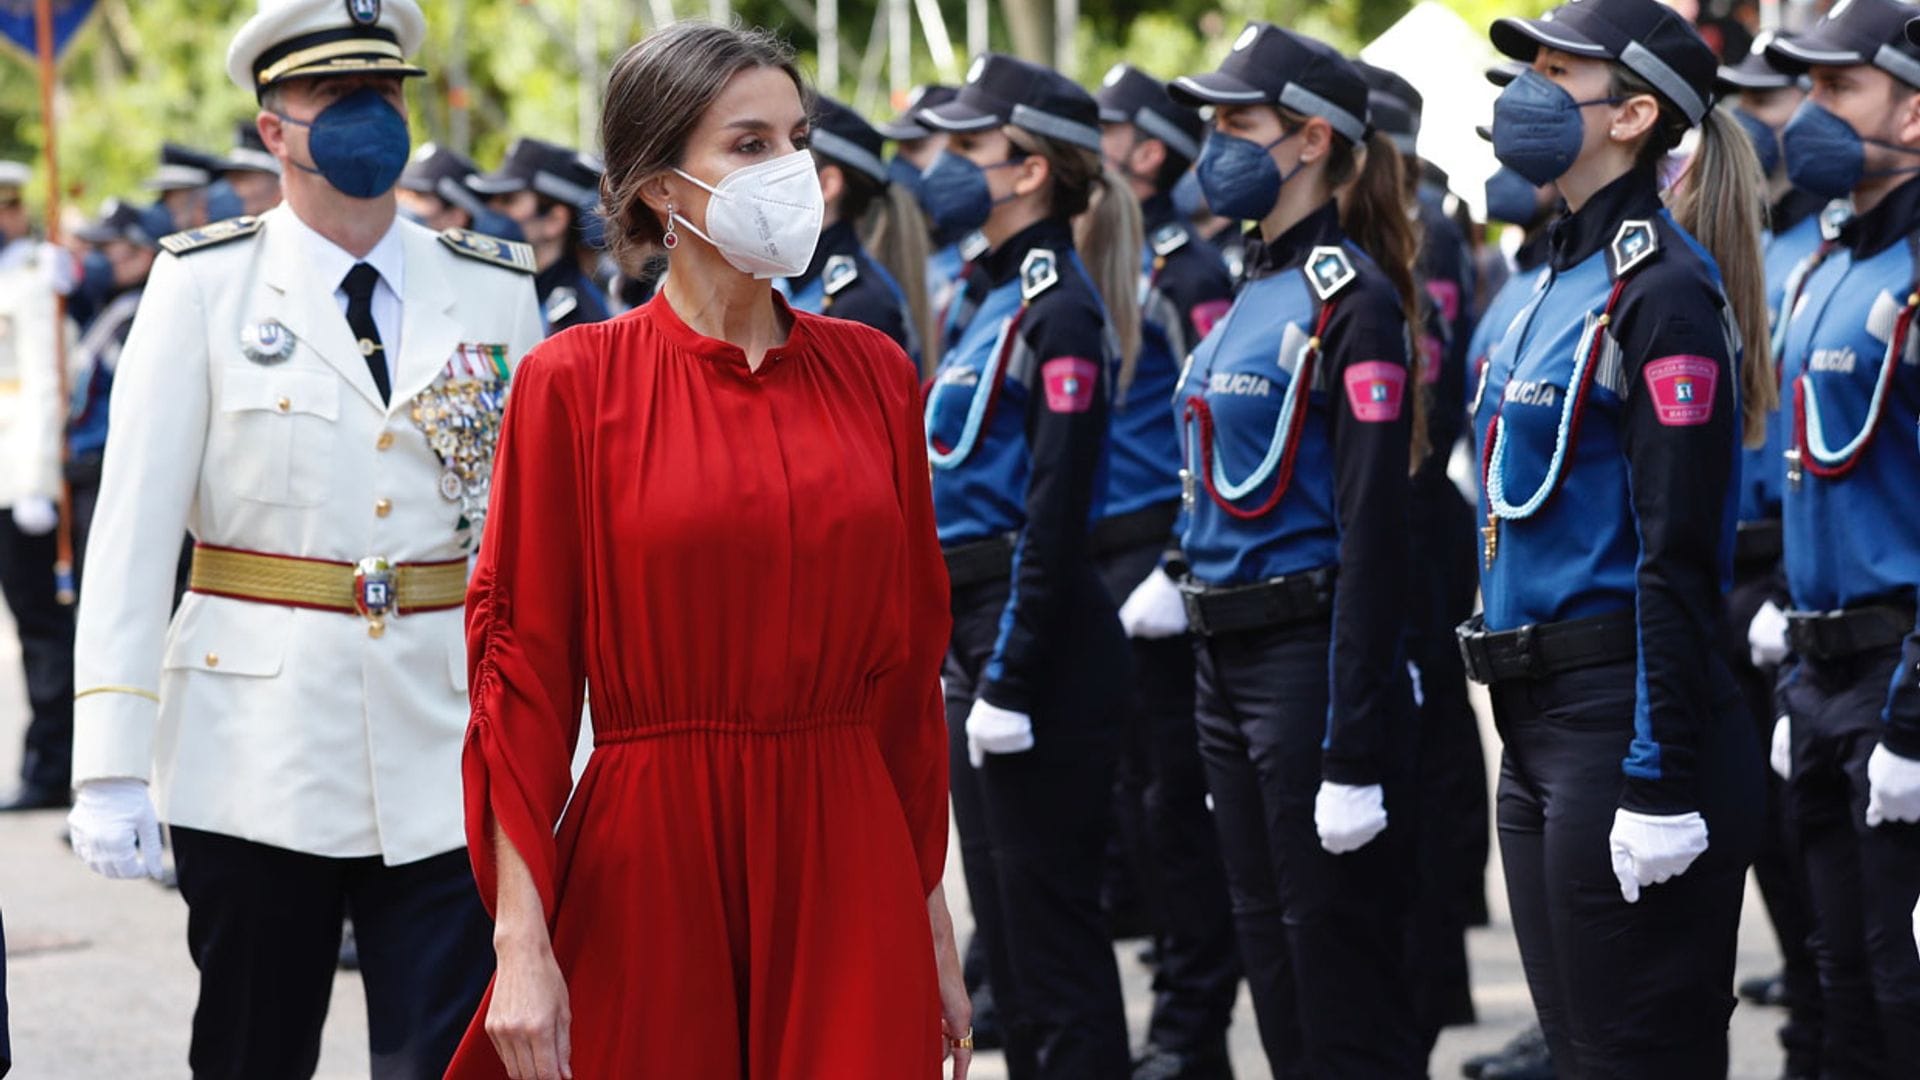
(1446, 59)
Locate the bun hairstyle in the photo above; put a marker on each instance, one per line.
(1721, 201)
(656, 94)
(1107, 231)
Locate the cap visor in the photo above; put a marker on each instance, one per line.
(1521, 38)
(1734, 79)
(96, 234)
(1485, 132)
(496, 184)
(1913, 31)
(1813, 47)
(955, 116)
(1216, 88)
(1113, 116)
(901, 129)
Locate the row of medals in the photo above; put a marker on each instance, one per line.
(460, 417)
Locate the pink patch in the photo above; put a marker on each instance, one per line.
(1446, 296)
(1206, 315)
(1431, 357)
(1682, 389)
(1375, 389)
(1070, 381)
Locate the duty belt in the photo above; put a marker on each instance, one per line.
(1295, 598)
(980, 561)
(1151, 526)
(373, 588)
(1539, 650)
(1836, 635)
(1757, 545)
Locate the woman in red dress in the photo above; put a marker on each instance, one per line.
(713, 511)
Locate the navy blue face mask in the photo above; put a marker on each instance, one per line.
(359, 144)
(1826, 156)
(1766, 141)
(955, 195)
(1538, 128)
(1239, 177)
(1511, 198)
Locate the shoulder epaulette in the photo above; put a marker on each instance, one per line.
(1329, 270)
(1039, 271)
(1633, 246)
(209, 236)
(1834, 218)
(1169, 238)
(507, 253)
(840, 272)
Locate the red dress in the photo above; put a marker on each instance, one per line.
(742, 567)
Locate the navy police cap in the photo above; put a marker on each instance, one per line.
(1649, 38)
(1001, 90)
(436, 170)
(907, 126)
(1393, 105)
(1756, 71)
(1271, 66)
(558, 172)
(1131, 96)
(1855, 32)
(845, 138)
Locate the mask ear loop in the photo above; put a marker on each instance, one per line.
(285, 119)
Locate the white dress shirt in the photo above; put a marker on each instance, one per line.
(329, 262)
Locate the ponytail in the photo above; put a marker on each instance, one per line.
(1107, 231)
(1721, 202)
(895, 232)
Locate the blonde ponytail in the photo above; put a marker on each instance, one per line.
(895, 233)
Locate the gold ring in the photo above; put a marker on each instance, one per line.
(964, 1042)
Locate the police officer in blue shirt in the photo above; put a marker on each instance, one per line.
(1851, 396)
(844, 280)
(1152, 142)
(1017, 429)
(1763, 98)
(1611, 421)
(1297, 418)
(548, 190)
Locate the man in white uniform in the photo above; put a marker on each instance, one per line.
(313, 393)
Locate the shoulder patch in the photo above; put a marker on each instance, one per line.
(209, 236)
(840, 272)
(1329, 270)
(1169, 238)
(1632, 246)
(1039, 271)
(1834, 218)
(507, 253)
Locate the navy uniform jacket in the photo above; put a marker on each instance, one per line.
(1642, 517)
(1017, 419)
(568, 297)
(99, 356)
(1505, 305)
(1186, 289)
(846, 283)
(1795, 235)
(1854, 539)
(1346, 503)
(1446, 274)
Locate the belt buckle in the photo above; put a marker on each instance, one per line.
(375, 593)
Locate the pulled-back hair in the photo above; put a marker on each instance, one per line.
(1722, 202)
(657, 93)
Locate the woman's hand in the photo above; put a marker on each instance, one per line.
(956, 1008)
(529, 1019)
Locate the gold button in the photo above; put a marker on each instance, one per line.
(386, 441)
(213, 659)
(383, 507)
(284, 404)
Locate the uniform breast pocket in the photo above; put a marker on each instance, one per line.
(282, 425)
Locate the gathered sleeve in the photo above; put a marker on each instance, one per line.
(912, 726)
(525, 630)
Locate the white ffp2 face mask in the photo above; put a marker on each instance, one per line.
(765, 218)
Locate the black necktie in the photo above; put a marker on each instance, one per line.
(359, 286)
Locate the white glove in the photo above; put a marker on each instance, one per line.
(1916, 927)
(1781, 754)
(115, 830)
(1651, 848)
(1155, 609)
(35, 515)
(1893, 787)
(1348, 817)
(1767, 636)
(994, 730)
(58, 268)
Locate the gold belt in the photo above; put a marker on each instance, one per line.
(372, 588)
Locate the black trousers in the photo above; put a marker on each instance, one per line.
(1322, 936)
(1777, 866)
(263, 924)
(1185, 886)
(1451, 782)
(1033, 837)
(46, 651)
(1624, 991)
(1863, 881)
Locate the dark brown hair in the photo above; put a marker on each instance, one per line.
(657, 93)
